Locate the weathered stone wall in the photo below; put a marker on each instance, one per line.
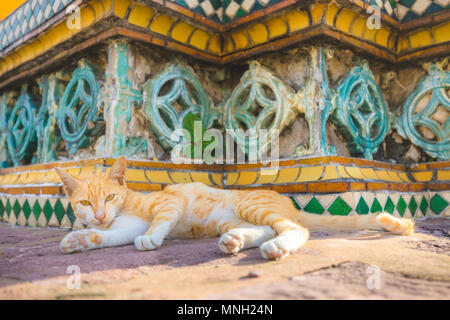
(309, 80)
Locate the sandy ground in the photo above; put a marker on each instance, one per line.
(363, 265)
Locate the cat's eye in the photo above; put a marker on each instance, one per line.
(85, 203)
(110, 197)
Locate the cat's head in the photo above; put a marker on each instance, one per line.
(98, 198)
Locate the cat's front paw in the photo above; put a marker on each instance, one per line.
(80, 241)
(147, 242)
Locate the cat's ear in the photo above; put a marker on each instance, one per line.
(117, 171)
(70, 183)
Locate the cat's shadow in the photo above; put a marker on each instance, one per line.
(42, 259)
(183, 253)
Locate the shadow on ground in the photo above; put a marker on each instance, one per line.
(28, 254)
(330, 265)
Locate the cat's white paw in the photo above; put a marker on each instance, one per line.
(147, 242)
(79, 241)
(281, 246)
(231, 242)
(274, 250)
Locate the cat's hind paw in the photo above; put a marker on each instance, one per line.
(273, 250)
(147, 242)
(285, 243)
(231, 243)
(79, 241)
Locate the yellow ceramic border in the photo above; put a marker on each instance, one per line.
(146, 178)
(276, 31)
(7, 7)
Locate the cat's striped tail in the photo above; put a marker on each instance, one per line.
(383, 221)
(292, 226)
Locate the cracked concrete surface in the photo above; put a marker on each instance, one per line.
(329, 266)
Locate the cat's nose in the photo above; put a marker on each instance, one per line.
(100, 215)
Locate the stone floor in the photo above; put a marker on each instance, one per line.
(329, 266)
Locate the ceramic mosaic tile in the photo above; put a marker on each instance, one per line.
(28, 17)
(413, 9)
(406, 10)
(212, 9)
(34, 13)
(38, 211)
(238, 8)
(54, 211)
(386, 6)
(398, 204)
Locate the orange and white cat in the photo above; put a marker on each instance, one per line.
(242, 219)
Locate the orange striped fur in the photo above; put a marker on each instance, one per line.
(242, 219)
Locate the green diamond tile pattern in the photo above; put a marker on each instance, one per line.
(314, 206)
(8, 208)
(26, 209)
(48, 210)
(36, 207)
(361, 207)
(339, 207)
(412, 206)
(2, 208)
(438, 204)
(401, 206)
(37, 210)
(70, 213)
(411, 203)
(376, 206)
(423, 206)
(389, 207)
(16, 208)
(59, 210)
